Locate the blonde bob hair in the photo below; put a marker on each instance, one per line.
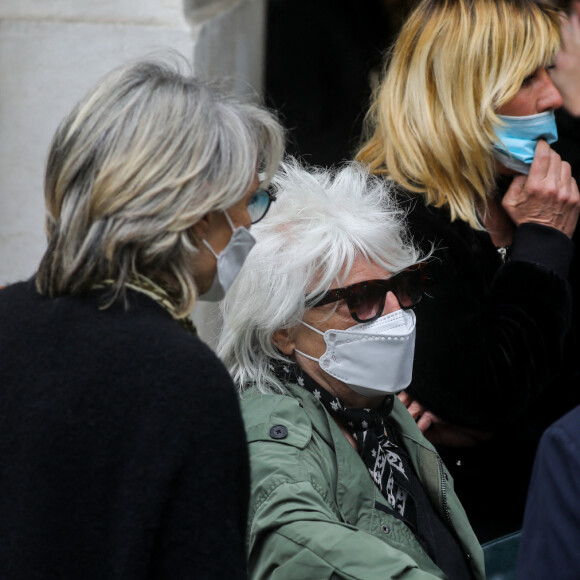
(141, 159)
(431, 125)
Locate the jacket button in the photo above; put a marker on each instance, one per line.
(385, 529)
(278, 432)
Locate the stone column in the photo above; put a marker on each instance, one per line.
(229, 40)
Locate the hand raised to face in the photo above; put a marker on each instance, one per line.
(547, 196)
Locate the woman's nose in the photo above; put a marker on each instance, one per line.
(391, 303)
(550, 97)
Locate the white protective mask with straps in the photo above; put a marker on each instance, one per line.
(229, 261)
(374, 358)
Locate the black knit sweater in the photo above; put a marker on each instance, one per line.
(123, 454)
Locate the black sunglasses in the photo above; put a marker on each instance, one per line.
(259, 204)
(366, 300)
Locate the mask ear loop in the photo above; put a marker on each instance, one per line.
(206, 243)
(306, 355)
(315, 330)
(311, 328)
(229, 220)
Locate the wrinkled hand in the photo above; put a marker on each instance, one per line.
(566, 74)
(548, 195)
(438, 431)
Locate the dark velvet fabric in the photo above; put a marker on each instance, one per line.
(490, 346)
(122, 445)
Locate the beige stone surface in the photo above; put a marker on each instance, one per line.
(150, 12)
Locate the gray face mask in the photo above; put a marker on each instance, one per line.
(229, 261)
(373, 358)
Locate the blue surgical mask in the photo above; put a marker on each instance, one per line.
(518, 137)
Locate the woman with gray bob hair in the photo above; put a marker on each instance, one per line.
(114, 461)
(138, 163)
(319, 335)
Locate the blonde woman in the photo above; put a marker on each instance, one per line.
(123, 449)
(461, 123)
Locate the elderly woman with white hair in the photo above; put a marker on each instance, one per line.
(319, 336)
(122, 443)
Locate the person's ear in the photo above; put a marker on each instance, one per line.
(284, 341)
(200, 228)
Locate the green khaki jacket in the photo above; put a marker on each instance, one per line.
(315, 512)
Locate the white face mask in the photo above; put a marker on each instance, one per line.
(229, 261)
(374, 358)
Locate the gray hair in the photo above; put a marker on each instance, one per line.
(321, 222)
(142, 158)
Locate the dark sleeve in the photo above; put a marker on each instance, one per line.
(489, 335)
(551, 530)
(543, 245)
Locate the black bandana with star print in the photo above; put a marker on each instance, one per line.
(374, 437)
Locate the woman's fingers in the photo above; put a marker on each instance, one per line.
(426, 421)
(405, 398)
(548, 196)
(416, 410)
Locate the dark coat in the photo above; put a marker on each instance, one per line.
(550, 541)
(123, 454)
(490, 344)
